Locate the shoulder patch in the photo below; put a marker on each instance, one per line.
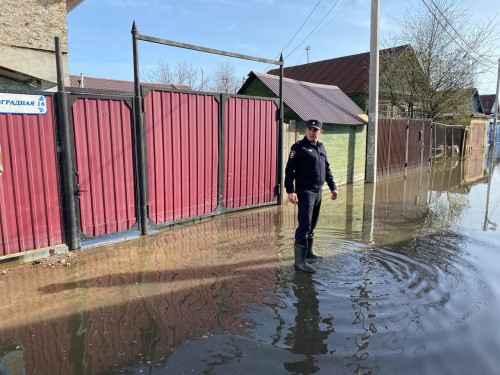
(292, 154)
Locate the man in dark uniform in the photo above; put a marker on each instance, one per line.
(308, 166)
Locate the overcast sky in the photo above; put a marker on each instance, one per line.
(100, 42)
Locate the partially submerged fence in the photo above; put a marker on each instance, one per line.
(408, 143)
(206, 154)
(402, 144)
(113, 163)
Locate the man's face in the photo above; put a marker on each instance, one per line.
(312, 134)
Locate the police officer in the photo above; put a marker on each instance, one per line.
(308, 166)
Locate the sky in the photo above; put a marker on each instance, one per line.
(100, 41)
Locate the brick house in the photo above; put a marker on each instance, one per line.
(27, 49)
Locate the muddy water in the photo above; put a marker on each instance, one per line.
(410, 284)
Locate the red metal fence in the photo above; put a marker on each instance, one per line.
(104, 153)
(182, 132)
(206, 154)
(251, 152)
(30, 210)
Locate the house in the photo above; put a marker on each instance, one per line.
(27, 48)
(349, 73)
(92, 83)
(344, 130)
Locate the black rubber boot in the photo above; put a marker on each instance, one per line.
(300, 260)
(310, 254)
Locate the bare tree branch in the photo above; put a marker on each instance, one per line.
(452, 52)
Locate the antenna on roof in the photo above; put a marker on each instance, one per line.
(307, 49)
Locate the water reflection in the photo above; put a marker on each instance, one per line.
(410, 269)
(306, 338)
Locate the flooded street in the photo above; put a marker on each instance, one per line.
(410, 284)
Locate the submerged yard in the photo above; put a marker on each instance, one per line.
(410, 284)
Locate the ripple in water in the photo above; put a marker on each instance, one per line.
(417, 304)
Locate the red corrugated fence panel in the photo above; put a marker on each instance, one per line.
(105, 168)
(182, 146)
(251, 129)
(30, 204)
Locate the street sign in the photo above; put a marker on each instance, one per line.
(23, 104)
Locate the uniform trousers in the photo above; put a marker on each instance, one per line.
(309, 203)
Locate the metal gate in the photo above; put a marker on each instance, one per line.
(201, 162)
(182, 134)
(30, 201)
(250, 152)
(104, 157)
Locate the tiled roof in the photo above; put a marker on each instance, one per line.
(311, 100)
(487, 102)
(116, 85)
(349, 73)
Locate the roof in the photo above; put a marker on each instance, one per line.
(116, 85)
(72, 4)
(487, 102)
(311, 100)
(349, 73)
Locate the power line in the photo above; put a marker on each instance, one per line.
(300, 28)
(331, 19)
(456, 32)
(458, 44)
(313, 30)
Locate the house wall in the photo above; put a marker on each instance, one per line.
(346, 151)
(28, 31)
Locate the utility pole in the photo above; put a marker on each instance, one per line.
(371, 157)
(491, 153)
(495, 113)
(307, 49)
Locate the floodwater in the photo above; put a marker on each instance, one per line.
(410, 284)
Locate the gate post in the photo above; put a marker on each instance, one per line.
(140, 139)
(280, 136)
(68, 186)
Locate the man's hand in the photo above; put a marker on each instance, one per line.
(335, 194)
(292, 198)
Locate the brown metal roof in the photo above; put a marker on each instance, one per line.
(349, 73)
(116, 85)
(311, 100)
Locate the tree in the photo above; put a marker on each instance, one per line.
(161, 74)
(224, 79)
(451, 52)
(184, 74)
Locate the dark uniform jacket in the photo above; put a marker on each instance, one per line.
(308, 166)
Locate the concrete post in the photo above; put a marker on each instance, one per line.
(371, 157)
